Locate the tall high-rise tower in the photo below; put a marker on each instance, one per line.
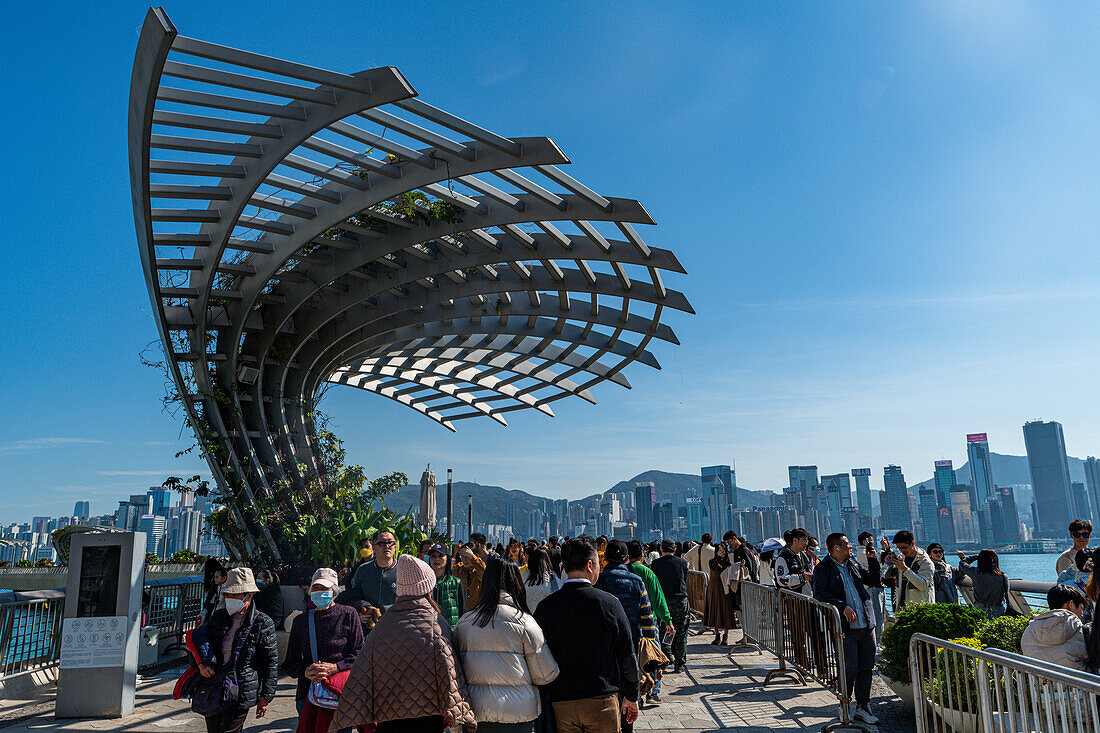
(803, 478)
(945, 482)
(720, 493)
(1092, 482)
(1046, 457)
(645, 497)
(862, 478)
(896, 512)
(981, 467)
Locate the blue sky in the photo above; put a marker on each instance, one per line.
(888, 214)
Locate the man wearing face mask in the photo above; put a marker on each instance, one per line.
(242, 638)
(338, 634)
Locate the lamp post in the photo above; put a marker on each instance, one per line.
(449, 506)
(469, 515)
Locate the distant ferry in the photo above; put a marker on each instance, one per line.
(1034, 547)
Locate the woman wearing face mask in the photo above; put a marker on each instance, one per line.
(270, 599)
(337, 634)
(449, 594)
(213, 577)
(240, 639)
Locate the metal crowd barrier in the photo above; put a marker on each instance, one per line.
(173, 607)
(806, 637)
(29, 629)
(697, 591)
(963, 690)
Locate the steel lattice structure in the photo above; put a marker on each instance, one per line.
(299, 227)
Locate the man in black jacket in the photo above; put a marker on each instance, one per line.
(839, 580)
(589, 635)
(672, 572)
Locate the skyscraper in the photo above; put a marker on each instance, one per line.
(1010, 514)
(664, 516)
(695, 516)
(162, 499)
(838, 494)
(962, 516)
(82, 510)
(862, 478)
(719, 489)
(1080, 495)
(153, 525)
(1092, 482)
(981, 467)
(1046, 458)
(929, 515)
(896, 511)
(803, 478)
(945, 482)
(645, 496)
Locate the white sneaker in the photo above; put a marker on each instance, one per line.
(864, 715)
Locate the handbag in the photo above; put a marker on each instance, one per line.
(215, 695)
(320, 694)
(219, 693)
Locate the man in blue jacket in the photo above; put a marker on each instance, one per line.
(839, 580)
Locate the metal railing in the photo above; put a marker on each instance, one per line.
(29, 628)
(173, 607)
(29, 641)
(806, 637)
(958, 689)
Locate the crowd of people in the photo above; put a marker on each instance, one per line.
(571, 635)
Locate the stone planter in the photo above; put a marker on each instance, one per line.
(957, 720)
(904, 690)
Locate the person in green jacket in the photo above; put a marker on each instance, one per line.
(448, 591)
(656, 599)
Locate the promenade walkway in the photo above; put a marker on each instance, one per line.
(721, 691)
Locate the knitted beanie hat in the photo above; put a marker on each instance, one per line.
(414, 577)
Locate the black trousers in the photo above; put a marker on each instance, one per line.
(432, 724)
(859, 663)
(231, 721)
(680, 611)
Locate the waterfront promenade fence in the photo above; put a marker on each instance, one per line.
(805, 636)
(30, 627)
(29, 638)
(963, 690)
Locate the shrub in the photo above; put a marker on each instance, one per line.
(151, 558)
(942, 620)
(185, 556)
(1003, 633)
(955, 682)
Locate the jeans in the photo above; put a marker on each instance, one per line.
(878, 602)
(859, 663)
(992, 612)
(680, 611)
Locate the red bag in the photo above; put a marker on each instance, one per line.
(335, 682)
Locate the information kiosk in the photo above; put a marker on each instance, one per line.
(101, 626)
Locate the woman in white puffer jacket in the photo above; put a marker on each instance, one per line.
(504, 654)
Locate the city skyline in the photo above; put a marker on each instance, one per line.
(868, 214)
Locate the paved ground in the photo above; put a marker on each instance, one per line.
(721, 691)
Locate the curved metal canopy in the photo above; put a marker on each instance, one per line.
(299, 227)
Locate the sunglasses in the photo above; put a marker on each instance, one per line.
(1080, 535)
(938, 552)
(385, 543)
